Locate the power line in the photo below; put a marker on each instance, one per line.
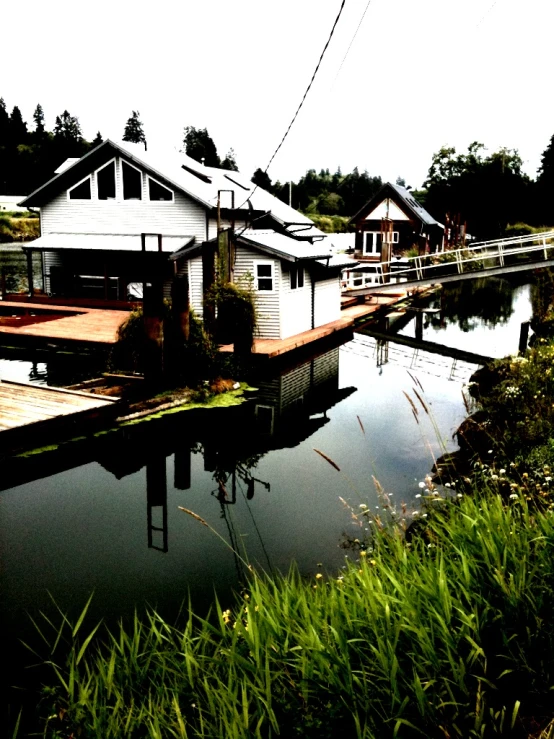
(488, 11)
(309, 86)
(352, 41)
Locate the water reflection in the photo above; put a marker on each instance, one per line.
(472, 302)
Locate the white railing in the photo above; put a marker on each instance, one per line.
(480, 256)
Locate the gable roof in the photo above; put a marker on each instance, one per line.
(179, 171)
(403, 198)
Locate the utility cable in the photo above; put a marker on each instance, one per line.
(303, 99)
(351, 42)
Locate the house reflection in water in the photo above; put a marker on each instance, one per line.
(289, 406)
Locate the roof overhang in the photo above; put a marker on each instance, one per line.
(110, 242)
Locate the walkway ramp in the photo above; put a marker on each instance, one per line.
(482, 259)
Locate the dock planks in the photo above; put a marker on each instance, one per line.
(65, 324)
(33, 413)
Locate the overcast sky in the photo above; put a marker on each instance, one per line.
(420, 74)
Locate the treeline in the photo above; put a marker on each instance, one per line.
(489, 191)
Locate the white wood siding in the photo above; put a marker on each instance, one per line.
(267, 303)
(184, 216)
(327, 301)
(326, 367)
(387, 209)
(296, 305)
(196, 296)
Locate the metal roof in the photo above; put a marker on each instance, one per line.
(185, 174)
(284, 246)
(413, 204)
(107, 242)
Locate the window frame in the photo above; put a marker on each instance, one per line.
(297, 277)
(132, 166)
(264, 263)
(172, 199)
(107, 164)
(76, 185)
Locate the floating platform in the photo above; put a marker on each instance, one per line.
(37, 325)
(35, 414)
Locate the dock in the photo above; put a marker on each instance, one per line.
(33, 413)
(37, 325)
(353, 313)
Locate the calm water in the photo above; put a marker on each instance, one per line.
(104, 516)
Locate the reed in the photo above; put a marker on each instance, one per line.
(446, 635)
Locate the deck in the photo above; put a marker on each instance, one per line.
(30, 412)
(34, 324)
(271, 348)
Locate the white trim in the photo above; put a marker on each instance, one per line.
(82, 200)
(123, 198)
(148, 177)
(259, 263)
(106, 200)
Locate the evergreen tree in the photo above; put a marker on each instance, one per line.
(230, 162)
(545, 187)
(134, 131)
(18, 128)
(4, 123)
(199, 145)
(68, 128)
(262, 179)
(38, 117)
(97, 140)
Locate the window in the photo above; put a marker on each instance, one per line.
(372, 243)
(158, 192)
(105, 182)
(132, 182)
(264, 276)
(82, 191)
(296, 278)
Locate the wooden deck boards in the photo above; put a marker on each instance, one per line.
(23, 405)
(82, 325)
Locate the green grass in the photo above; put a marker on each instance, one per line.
(449, 634)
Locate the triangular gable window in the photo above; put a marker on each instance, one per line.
(105, 182)
(159, 192)
(82, 191)
(132, 182)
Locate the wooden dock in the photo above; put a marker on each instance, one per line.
(36, 325)
(271, 348)
(32, 414)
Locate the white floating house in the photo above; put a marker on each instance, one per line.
(121, 216)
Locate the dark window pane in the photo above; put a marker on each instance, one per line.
(81, 192)
(293, 278)
(300, 277)
(132, 183)
(159, 192)
(264, 270)
(105, 180)
(265, 284)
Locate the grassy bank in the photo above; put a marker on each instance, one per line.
(447, 635)
(19, 227)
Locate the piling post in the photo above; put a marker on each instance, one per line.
(182, 468)
(153, 307)
(524, 336)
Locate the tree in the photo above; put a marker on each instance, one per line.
(230, 162)
(262, 179)
(545, 186)
(38, 117)
(68, 128)
(97, 140)
(134, 131)
(199, 145)
(18, 127)
(4, 123)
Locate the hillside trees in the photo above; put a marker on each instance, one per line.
(199, 145)
(486, 191)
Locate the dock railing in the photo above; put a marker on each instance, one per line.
(478, 257)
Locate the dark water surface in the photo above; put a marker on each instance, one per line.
(103, 516)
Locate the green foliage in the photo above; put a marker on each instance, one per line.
(524, 229)
(20, 226)
(235, 305)
(330, 224)
(200, 146)
(447, 635)
(134, 130)
(230, 162)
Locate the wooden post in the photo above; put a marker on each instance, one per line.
(29, 255)
(180, 306)
(419, 326)
(208, 279)
(153, 327)
(523, 336)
